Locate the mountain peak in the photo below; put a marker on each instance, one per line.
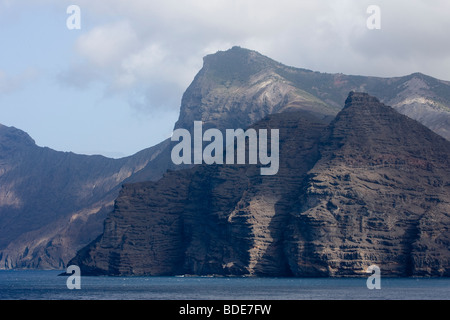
(360, 99)
(366, 130)
(11, 136)
(234, 52)
(236, 64)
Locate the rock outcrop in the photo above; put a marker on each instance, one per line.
(372, 187)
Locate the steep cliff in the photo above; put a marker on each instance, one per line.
(52, 204)
(208, 219)
(378, 195)
(370, 188)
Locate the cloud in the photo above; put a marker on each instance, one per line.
(107, 44)
(11, 83)
(146, 48)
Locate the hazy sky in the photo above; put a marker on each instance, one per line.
(114, 86)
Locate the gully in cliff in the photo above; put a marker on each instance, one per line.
(213, 152)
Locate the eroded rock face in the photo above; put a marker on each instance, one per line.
(381, 182)
(209, 219)
(370, 188)
(52, 204)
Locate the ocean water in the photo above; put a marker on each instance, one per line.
(47, 285)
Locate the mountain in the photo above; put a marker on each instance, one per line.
(378, 195)
(53, 201)
(234, 89)
(371, 187)
(238, 87)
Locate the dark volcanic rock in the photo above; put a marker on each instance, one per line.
(224, 220)
(53, 203)
(370, 188)
(378, 195)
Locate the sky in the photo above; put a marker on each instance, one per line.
(114, 85)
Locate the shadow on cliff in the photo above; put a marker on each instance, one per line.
(300, 145)
(275, 262)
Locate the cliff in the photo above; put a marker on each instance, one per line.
(378, 195)
(52, 203)
(372, 187)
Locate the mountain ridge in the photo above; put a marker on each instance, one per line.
(287, 87)
(234, 89)
(40, 186)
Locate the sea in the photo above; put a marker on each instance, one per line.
(49, 285)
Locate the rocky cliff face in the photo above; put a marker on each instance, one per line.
(52, 204)
(370, 188)
(239, 87)
(208, 219)
(378, 195)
